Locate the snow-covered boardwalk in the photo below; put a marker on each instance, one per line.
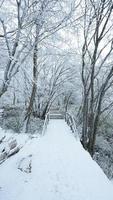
(61, 170)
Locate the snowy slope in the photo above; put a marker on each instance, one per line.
(60, 170)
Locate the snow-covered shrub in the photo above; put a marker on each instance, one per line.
(35, 125)
(12, 119)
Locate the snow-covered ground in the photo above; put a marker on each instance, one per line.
(53, 167)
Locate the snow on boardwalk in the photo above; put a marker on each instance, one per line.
(61, 170)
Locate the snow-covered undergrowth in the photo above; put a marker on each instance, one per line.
(10, 144)
(21, 138)
(53, 167)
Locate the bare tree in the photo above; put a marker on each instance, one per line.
(97, 69)
(45, 27)
(15, 47)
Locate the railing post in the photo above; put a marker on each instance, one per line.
(45, 123)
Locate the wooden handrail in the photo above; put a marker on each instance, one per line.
(46, 121)
(71, 122)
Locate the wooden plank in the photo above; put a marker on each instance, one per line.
(56, 116)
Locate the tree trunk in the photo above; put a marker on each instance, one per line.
(35, 72)
(85, 122)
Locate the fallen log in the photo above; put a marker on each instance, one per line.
(1, 140)
(13, 152)
(9, 149)
(3, 157)
(12, 144)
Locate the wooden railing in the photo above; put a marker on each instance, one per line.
(71, 123)
(46, 121)
(68, 118)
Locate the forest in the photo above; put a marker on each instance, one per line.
(57, 56)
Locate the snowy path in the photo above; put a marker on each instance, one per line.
(61, 170)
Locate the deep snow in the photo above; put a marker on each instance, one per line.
(61, 170)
